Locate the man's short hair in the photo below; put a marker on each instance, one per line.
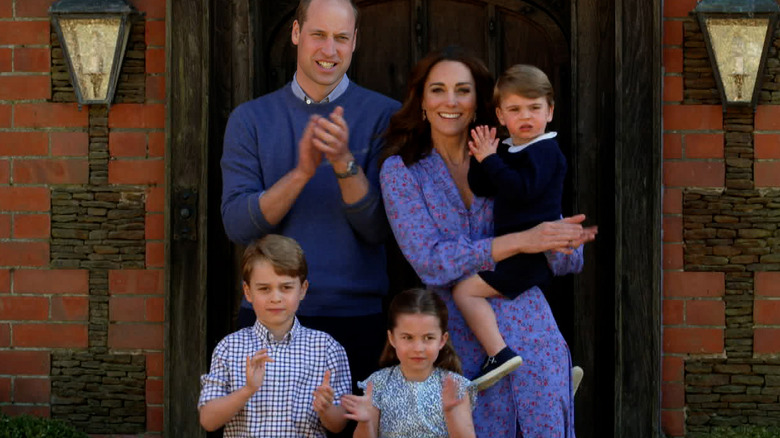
(524, 80)
(283, 253)
(303, 9)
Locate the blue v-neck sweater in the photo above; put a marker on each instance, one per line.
(343, 243)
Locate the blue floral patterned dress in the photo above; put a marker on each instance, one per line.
(445, 242)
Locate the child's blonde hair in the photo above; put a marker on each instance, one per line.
(523, 80)
(416, 302)
(283, 253)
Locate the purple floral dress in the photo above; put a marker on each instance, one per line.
(445, 242)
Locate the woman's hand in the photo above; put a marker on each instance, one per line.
(562, 235)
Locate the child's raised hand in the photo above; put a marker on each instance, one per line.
(483, 142)
(449, 394)
(323, 395)
(255, 368)
(359, 408)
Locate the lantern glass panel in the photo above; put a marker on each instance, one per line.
(91, 44)
(737, 44)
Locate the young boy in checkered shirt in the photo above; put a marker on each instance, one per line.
(275, 378)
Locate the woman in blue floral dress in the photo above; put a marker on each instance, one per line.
(445, 232)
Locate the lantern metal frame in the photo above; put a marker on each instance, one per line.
(94, 9)
(736, 10)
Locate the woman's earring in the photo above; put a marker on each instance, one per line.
(425, 116)
(474, 119)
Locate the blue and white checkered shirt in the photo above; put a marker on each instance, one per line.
(282, 407)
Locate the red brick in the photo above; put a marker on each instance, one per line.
(153, 8)
(25, 87)
(5, 171)
(33, 410)
(25, 363)
(5, 335)
(155, 33)
(679, 8)
(672, 256)
(24, 308)
(673, 33)
(767, 173)
(126, 309)
(135, 336)
(5, 116)
(155, 254)
(24, 32)
(155, 60)
(24, 253)
(130, 115)
(5, 281)
(127, 144)
(154, 418)
(673, 89)
(672, 146)
(5, 226)
(155, 227)
(135, 281)
(672, 395)
(705, 312)
(692, 340)
(50, 335)
(694, 173)
(146, 172)
(32, 226)
(33, 8)
(69, 144)
(25, 198)
(5, 389)
(44, 115)
(673, 369)
(673, 228)
(24, 143)
(32, 390)
(5, 59)
(693, 117)
(51, 171)
(673, 422)
(155, 88)
(154, 391)
(52, 281)
(704, 145)
(766, 145)
(766, 312)
(673, 60)
(694, 284)
(673, 312)
(155, 199)
(155, 309)
(6, 9)
(69, 308)
(766, 284)
(767, 118)
(157, 144)
(766, 340)
(32, 60)
(155, 364)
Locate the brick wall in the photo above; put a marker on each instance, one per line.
(721, 177)
(81, 231)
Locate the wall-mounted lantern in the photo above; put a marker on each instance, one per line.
(738, 34)
(93, 35)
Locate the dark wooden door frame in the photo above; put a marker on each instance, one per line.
(616, 50)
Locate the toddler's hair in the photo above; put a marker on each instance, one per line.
(523, 80)
(283, 253)
(420, 302)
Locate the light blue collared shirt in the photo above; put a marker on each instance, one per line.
(338, 91)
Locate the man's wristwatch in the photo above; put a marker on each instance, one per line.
(352, 170)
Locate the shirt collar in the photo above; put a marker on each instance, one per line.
(265, 335)
(517, 148)
(335, 94)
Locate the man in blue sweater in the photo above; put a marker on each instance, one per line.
(302, 162)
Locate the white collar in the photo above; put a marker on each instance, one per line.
(513, 149)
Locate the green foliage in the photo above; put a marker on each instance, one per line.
(26, 426)
(746, 431)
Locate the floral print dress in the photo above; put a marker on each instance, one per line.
(445, 242)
